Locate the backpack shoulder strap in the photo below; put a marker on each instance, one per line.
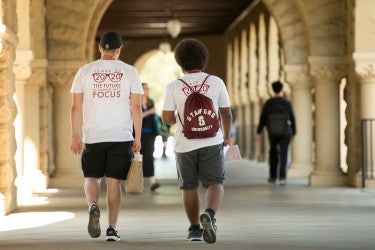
(204, 81)
(187, 85)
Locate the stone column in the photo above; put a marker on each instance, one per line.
(302, 145)
(328, 72)
(8, 110)
(68, 172)
(262, 82)
(365, 69)
(254, 147)
(243, 96)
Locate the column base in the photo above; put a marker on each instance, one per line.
(66, 181)
(328, 179)
(2, 205)
(7, 200)
(300, 170)
(369, 183)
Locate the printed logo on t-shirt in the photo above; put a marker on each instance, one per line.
(187, 91)
(107, 83)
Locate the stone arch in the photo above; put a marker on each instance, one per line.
(72, 26)
(140, 62)
(292, 32)
(327, 33)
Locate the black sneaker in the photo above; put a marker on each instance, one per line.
(94, 221)
(154, 186)
(195, 234)
(209, 228)
(271, 180)
(112, 234)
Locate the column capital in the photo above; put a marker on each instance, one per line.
(365, 65)
(59, 79)
(297, 76)
(28, 70)
(22, 69)
(8, 41)
(330, 69)
(61, 73)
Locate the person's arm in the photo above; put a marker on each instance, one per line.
(226, 123)
(136, 106)
(292, 120)
(263, 118)
(76, 118)
(149, 112)
(168, 117)
(262, 122)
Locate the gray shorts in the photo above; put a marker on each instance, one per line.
(203, 164)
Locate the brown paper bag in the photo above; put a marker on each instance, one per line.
(134, 181)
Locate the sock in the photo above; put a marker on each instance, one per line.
(195, 226)
(210, 212)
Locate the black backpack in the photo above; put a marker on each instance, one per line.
(278, 123)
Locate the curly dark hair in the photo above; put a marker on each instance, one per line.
(191, 54)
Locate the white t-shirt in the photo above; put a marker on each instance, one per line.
(174, 99)
(106, 86)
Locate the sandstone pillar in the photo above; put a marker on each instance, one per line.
(302, 145)
(8, 42)
(68, 171)
(328, 73)
(365, 69)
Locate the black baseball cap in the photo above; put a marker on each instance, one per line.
(110, 40)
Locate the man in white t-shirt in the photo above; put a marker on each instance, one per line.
(198, 160)
(107, 98)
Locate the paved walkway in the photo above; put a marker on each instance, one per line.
(254, 215)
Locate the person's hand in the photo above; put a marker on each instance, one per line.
(76, 145)
(227, 142)
(257, 137)
(136, 146)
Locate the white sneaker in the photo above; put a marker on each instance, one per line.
(282, 182)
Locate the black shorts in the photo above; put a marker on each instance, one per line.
(110, 159)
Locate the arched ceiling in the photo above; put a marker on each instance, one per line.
(148, 18)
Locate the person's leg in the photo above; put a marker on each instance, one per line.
(113, 200)
(284, 147)
(148, 148)
(118, 160)
(93, 165)
(191, 204)
(187, 172)
(214, 196)
(211, 172)
(165, 139)
(92, 190)
(273, 158)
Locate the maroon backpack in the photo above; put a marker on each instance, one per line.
(200, 118)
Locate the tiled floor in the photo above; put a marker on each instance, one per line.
(254, 215)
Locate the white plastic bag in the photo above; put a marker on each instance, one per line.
(231, 153)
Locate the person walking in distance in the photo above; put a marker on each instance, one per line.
(107, 95)
(149, 133)
(199, 158)
(278, 116)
